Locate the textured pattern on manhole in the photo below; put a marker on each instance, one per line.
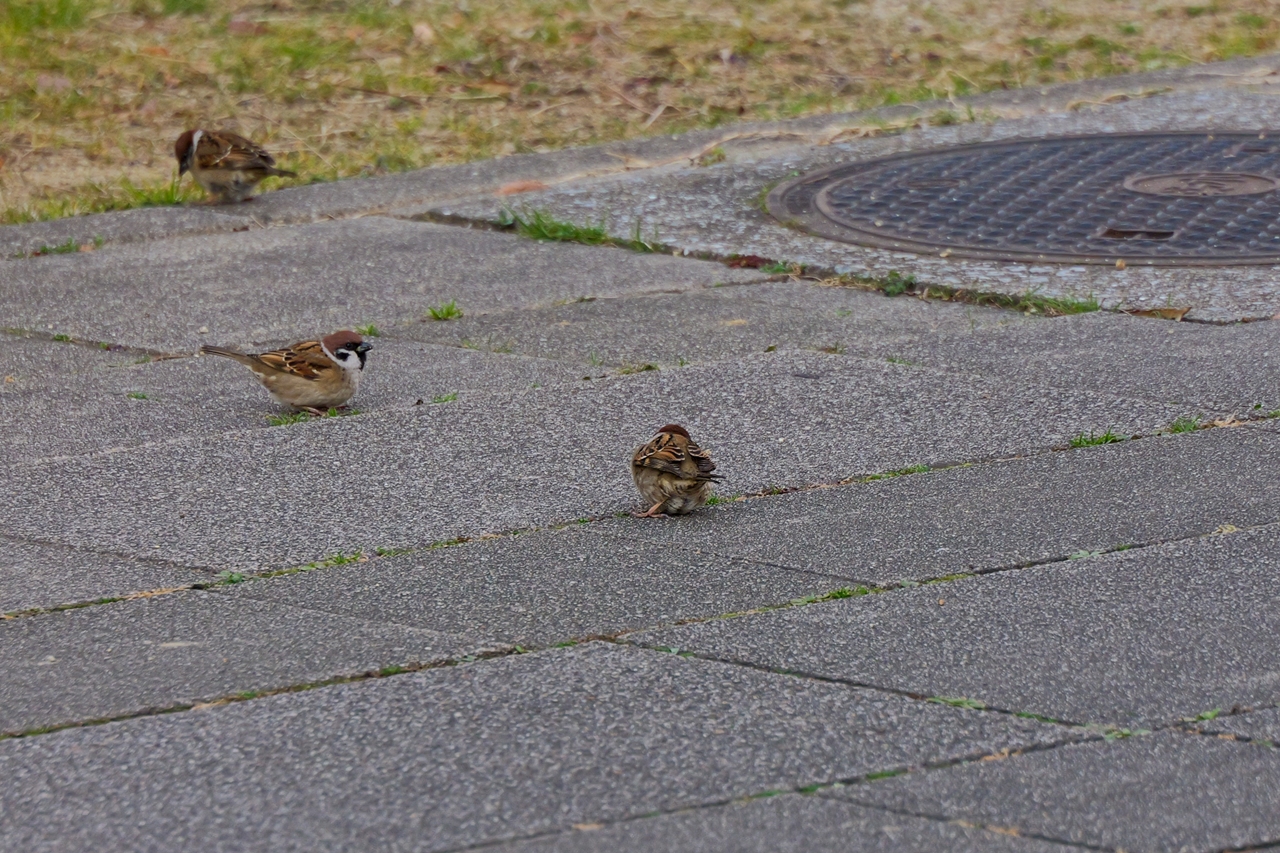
(1169, 199)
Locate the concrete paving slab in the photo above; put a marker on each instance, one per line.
(1001, 515)
(99, 401)
(781, 824)
(540, 588)
(1168, 791)
(132, 656)
(465, 755)
(716, 210)
(1137, 638)
(1262, 727)
(294, 283)
(34, 575)
(505, 462)
(671, 329)
(1227, 368)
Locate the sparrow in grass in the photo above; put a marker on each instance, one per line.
(672, 473)
(226, 165)
(312, 375)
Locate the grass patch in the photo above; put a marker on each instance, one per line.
(302, 417)
(883, 774)
(1186, 424)
(445, 398)
(447, 311)
(1094, 439)
(96, 91)
(537, 225)
(628, 369)
(137, 395)
(887, 475)
(959, 702)
(369, 331)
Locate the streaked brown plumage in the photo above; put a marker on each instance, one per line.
(310, 375)
(672, 473)
(226, 165)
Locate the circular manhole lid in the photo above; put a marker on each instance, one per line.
(1168, 199)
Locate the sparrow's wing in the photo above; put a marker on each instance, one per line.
(306, 360)
(702, 459)
(229, 151)
(676, 455)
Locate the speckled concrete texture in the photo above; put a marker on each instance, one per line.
(502, 462)
(452, 757)
(1133, 639)
(540, 588)
(36, 575)
(1128, 794)
(997, 516)
(288, 284)
(717, 209)
(781, 824)
(133, 656)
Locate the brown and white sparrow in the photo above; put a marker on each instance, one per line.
(311, 375)
(226, 165)
(672, 473)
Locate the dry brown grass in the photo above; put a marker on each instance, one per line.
(95, 91)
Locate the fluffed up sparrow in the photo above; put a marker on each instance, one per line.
(311, 375)
(672, 473)
(226, 165)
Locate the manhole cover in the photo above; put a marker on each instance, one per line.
(1169, 199)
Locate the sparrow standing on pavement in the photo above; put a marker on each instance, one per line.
(311, 375)
(226, 165)
(672, 473)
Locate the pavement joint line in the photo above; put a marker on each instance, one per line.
(816, 789)
(249, 695)
(153, 355)
(227, 578)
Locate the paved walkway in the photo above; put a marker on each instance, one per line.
(929, 623)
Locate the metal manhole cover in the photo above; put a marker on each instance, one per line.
(1168, 199)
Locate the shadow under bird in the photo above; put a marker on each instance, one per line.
(672, 473)
(226, 165)
(314, 376)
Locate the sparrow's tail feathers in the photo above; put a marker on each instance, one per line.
(713, 478)
(282, 173)
(226, 353)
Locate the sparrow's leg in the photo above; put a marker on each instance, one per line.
(653, 511)
(319, 413)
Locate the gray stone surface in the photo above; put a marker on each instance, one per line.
(463, 755)
(185, 647)
(716, 210)
(1165, 792)
(36, 575)
(781, 824)
(1004, 515)
(291, 283)
(1136, 638)
(1263, 726)
(1227, 368)
(725, 322)
(540, 588)
(65, 399)
(509, 461)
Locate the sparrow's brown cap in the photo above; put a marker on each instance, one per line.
(675, 429)
(340, 339)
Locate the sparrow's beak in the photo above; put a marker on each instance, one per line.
(182, 168)
(364, 348)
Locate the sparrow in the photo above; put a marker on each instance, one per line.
(672, 473)
(226, 165)
(312, 375)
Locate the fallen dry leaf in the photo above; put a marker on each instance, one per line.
(521, 187)
(1162, 313)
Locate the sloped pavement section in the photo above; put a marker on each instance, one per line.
(1131, 639)
(1003, 515)
(459, 756)
(534, 458)
(131, 657)
(784, 823)
(287, 284)
(1167, 791)
(718, 210)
